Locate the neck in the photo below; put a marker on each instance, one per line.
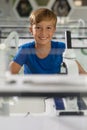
(42, 50)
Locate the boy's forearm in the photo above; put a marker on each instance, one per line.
(80, 68)
(14, 68)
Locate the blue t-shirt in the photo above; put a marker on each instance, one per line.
(34, 65)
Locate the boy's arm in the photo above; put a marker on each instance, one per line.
(14, 67)
(80, 68)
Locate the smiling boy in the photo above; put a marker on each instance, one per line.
(43, 55)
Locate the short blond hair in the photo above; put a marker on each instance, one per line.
(42, 14)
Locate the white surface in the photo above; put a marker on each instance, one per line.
(70, 104)
(82, 58)
(69, 59)
(43, 122)
(72, 66)
(24, 105)
(44, 83)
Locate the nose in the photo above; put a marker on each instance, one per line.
(43, 31)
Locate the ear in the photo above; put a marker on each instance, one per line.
(30, 30)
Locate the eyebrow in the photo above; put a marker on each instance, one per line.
(46, 25)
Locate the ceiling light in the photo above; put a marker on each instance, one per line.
(78, 3)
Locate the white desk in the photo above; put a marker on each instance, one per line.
(43, 122)
(44, 85)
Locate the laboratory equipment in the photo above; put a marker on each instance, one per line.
(5, 51)
(4, 63)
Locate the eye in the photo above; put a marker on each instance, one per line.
(49, 28)
(37, 27)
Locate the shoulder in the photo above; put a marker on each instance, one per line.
(27, 45)
(57, 44)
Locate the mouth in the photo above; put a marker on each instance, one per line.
(43, 38)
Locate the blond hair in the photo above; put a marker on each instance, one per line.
(42, 14)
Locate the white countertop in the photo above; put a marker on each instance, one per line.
(44, 83)
(43, 122)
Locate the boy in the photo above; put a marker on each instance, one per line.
(42, 56)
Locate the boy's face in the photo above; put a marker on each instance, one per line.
(43, 32)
